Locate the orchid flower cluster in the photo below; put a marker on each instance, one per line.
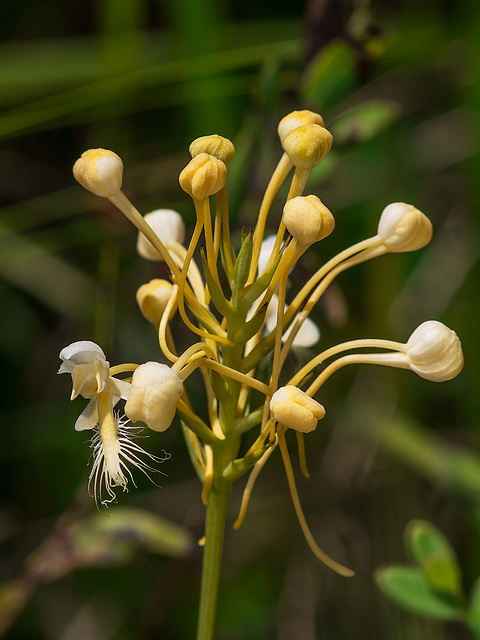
(235, 306)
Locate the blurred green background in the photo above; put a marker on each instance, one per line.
(398, 85)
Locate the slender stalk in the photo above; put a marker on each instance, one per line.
(212, 557)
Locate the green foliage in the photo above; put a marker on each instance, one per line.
(433, 587)
(409, 587)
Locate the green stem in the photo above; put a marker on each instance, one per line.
(212, 557)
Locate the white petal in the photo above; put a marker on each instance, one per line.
(81, 352)
(89, 416)
(265, 253)
(308, 334)
(119, 388)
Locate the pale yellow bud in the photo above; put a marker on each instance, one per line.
(168, 226)
(293, 408)
(297, 119)
(214, 145)
(307, 219)
(152, 299)
(402, 227)
(153, 396)
(203, 176)
(435, 352)
(306, 146)
(99, 171)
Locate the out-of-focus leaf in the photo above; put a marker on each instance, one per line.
(408, 587)
(365, 121)
(106, 540)
(47, 277)
(330, 77)
(114, 539)
(433, 552)
(473, 618)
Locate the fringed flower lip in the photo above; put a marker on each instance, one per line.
(110, 466)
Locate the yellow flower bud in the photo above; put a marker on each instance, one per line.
(297, 119)
(434, 352)
(169, 227)
(153, 396)
(152, 298)
(402, 227)
(203, 176)
(214, 145)
(306, 146)
(99, 171)
(307, 219)
(293, 408)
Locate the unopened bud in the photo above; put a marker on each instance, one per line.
(99, 171)
(203, 176)
(307, 219)
(306, 146)
(434, 352)
(152, 299)
(402, 227)
(168, 226)
(214, 145)
(153, 396)
(297, 119)
(296, 410)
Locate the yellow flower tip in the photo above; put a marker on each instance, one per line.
(296, 410)
(434, 352)
(168, 225)
(203, 176)
(307, 219)
(297, 119)
(153, 396)
(99, 171)
(306, 146)
(215, 145)
(152, 299)
(402, 227)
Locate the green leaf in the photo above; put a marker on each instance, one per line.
(365, 121)
(330, 77)
(409, 588)
(473, 617)
(115, 538)
(242, 267)
(217, 295)
(436, 557)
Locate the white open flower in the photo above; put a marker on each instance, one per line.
(112, 446)
(87, 364)
(169, 227)
(435, 352)
(296, 410)
(153, 398)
